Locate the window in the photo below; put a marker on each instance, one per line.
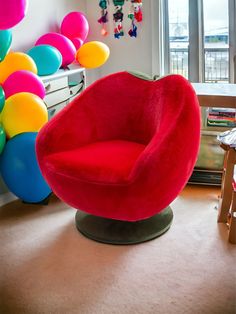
(216, 41)
(201, 39)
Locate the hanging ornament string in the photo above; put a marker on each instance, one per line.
(135, 15)
(118, 16)
(103, 20)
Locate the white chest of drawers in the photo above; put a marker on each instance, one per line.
(62, 87)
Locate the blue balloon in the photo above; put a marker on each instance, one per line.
(5, 42)
(20, 169)
(48, 59)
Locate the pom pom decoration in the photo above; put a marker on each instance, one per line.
(12, 12)
(93, 54)
(135, 15)
(118, 18)
(103, 20)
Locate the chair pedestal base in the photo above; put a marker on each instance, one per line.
(123, 232)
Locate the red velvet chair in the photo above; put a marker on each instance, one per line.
(121, 152)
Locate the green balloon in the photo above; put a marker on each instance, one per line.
(2, 98)
(5, 42)
(2, 139)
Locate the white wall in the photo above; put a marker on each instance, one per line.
(127, 53)
(43, 16)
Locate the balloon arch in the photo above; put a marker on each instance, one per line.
(23, 111)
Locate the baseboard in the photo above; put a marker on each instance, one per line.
(6, 198)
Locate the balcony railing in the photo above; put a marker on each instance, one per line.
(216, 63)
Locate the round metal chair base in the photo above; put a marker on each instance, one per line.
(123, 232)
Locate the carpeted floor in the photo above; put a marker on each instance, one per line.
(47, 266)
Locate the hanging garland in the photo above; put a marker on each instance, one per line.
(135, 15)
(118, 16)
(103, 20)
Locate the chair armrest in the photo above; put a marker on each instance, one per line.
(178, 134)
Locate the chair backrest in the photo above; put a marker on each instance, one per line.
(124, 106)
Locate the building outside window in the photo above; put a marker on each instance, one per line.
(202, 39)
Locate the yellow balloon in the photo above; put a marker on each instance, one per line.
(23, 112)
(16, 61)
(93, 54)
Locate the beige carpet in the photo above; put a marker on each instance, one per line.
(46, 266)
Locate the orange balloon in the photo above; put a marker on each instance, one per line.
(92, 54)
(23, 112)
(15, 61)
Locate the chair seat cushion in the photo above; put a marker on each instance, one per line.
(102, 162)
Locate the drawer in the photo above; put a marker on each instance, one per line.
(52, 111)
(54, 85)
(75, 90)
(57, 97)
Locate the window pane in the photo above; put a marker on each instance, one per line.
(179, 36)
(216, 40)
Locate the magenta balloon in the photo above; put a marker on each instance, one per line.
(62, 43)
(23, 81)
(12, 12)
(75, 25)
(77, 42)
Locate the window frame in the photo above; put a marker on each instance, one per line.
(196, 54)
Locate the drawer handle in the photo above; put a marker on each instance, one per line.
(47, 87)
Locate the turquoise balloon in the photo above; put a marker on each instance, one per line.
(48, 59)
(2, 98)
(2, 139)
(5, 42)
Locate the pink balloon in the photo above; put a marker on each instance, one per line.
(12, 12)
(75, 25)
(77, 42)
(62, 43)
(23, 81)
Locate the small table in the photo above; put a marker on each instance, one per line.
(223, 96)
(227, 204)
(216, 95)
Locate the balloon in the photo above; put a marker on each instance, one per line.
(47, 58)
(2, 139)
(5, 42)
(62, 43)
(74, 25)
(2, 98)
(20, 170)
(92, 54)
(23, 112)
(12, 12)
(77, 42)
(16, 61)
(23, 81)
